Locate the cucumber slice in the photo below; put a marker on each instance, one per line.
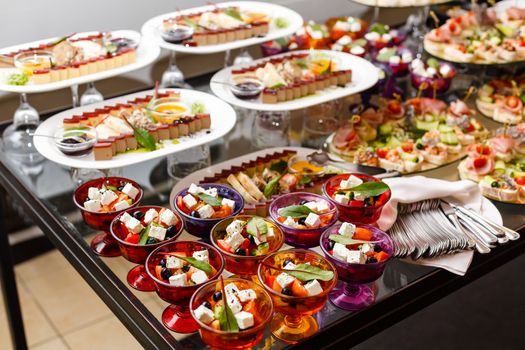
(445, 128)
(393, 143)
(449, 138)
(410, 157)
(428, 126)
(144, 235)
(385, 129)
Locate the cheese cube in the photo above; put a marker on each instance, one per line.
(157, 232)
(259, 241)
(202, 255)
(289, 222)
(346, 229)
(108, 197)
(125, 218)
(290, 266)
(246, 295)
(206, 211)
(313, 287)
(359, 197)
(172, 262)
(194, 189)
(134, 225)
(367, 248)
(234, 240)
(351, 182)
(356, 257)
(284, 279)
(323, 206)
(233, 303)
(235, 226)
(199, 277)
(311, 205)
(92, 205)
(228, 202)
(121, 205)
(231, 288)
(189, 201)
(341, 198)
(312, 220)
(150, 215)
(244, 320)
(168, 218)
(271, 232)
(204, 314)
(178, 280)
(94, 193)
(340, 251)
(212, 191)
(131, 191)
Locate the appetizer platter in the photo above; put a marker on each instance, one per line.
(498, 165)
(417, 135)
(56, 63)
(218, 28)
(498, 38)
(502, 100)
(133, 128)
(400, 3)
(295, 80)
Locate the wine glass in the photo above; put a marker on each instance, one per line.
(91, 95)
(172, 76)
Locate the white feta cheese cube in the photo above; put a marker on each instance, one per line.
(372, 36)
(431, 71)
(199, 277)
(108, 197)
(259, 241)
(178, 280)
(206, 211)
(340, 251)
(407, 57)
(168, 218)
(341, 198)
(323, 206)
(231, 288)
(94, 193)
(355, 27)
(346, 229)
(367, 248)
(189, 201)
(204, 314)
(284, 279)
(234, 303)
(234, 240)
(134, 225)
(244, 320)
(172, 262)
(387, 37)
(444, 70)
(246, 295)
(312, 220)
(351, 182)
(311, 205)
(289, 222)
(212, 191)
(194, 189)
(202, 255)
(235, 226)
(157, 232)
(394, 59)
(131, 191)
(92, 205)
(121, 205)
(125, 218)
(270, 233)
(150, 215)
(289, 266)
(357, 50)
(228, 202)
(313, 287)
(356, 257)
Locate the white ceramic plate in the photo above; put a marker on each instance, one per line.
(147, 52)
(501, 6)
(364, 76)
(400, 3)
(222, 121)
(152, 28)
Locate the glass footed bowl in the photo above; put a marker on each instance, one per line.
(240, 265)
(356, 211)
(353, 293)
(294, 321)
(439, 83)
(176, 33)
(138, 253)
(167, 109)
(177, 316)
(103, 244)
(76, 141)
(304, 238)
(29, 61)
(243, 339)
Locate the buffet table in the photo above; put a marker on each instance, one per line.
(402, 290)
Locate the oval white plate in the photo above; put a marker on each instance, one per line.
(222, 115)
(151, 29)
(364, 76)
(147, 52)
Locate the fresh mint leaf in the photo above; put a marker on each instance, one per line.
(295, 211)
(306, 272)
(257, 226)
(213, 201)
(201, 265)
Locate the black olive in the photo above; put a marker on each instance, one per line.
(351, 196)
(195, 214)
(251, 239)
(367, 201)
(240, 251)
(138, 215)
(151, 240)
(165, 273)
(420, 146)
(331, 244)
(287, 261)
(207, 304)
(162, 262)
(120, 188)
(301, 221)
(217, 296)
(371, 260)
(303, 202)
(377, 249)
(186, 268)
(171, 231)
(287, 291)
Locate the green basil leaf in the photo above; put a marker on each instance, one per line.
(279, 166)
(257, 226)
(348, 240)
(295, 211)
(226, 317)
(305, 272)
(213, 201)
(201, 265)
(370, 189)
(144, 139)
(271, 187)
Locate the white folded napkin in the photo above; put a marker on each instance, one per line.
(418, 188)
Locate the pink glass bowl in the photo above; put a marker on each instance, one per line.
(356, 211)
(177, 316)
(304, 238)
(218, 339)
(103, 244)
(138, 253)
(353, 293)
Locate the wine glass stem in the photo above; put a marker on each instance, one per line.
(74, 96)
(293, 321)
(227, 56)
(173, 59)
(183, 311)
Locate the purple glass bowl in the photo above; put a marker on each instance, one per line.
(442, 84)
(354, 294)
(304, 238)
(398, 69)
(202, 227)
